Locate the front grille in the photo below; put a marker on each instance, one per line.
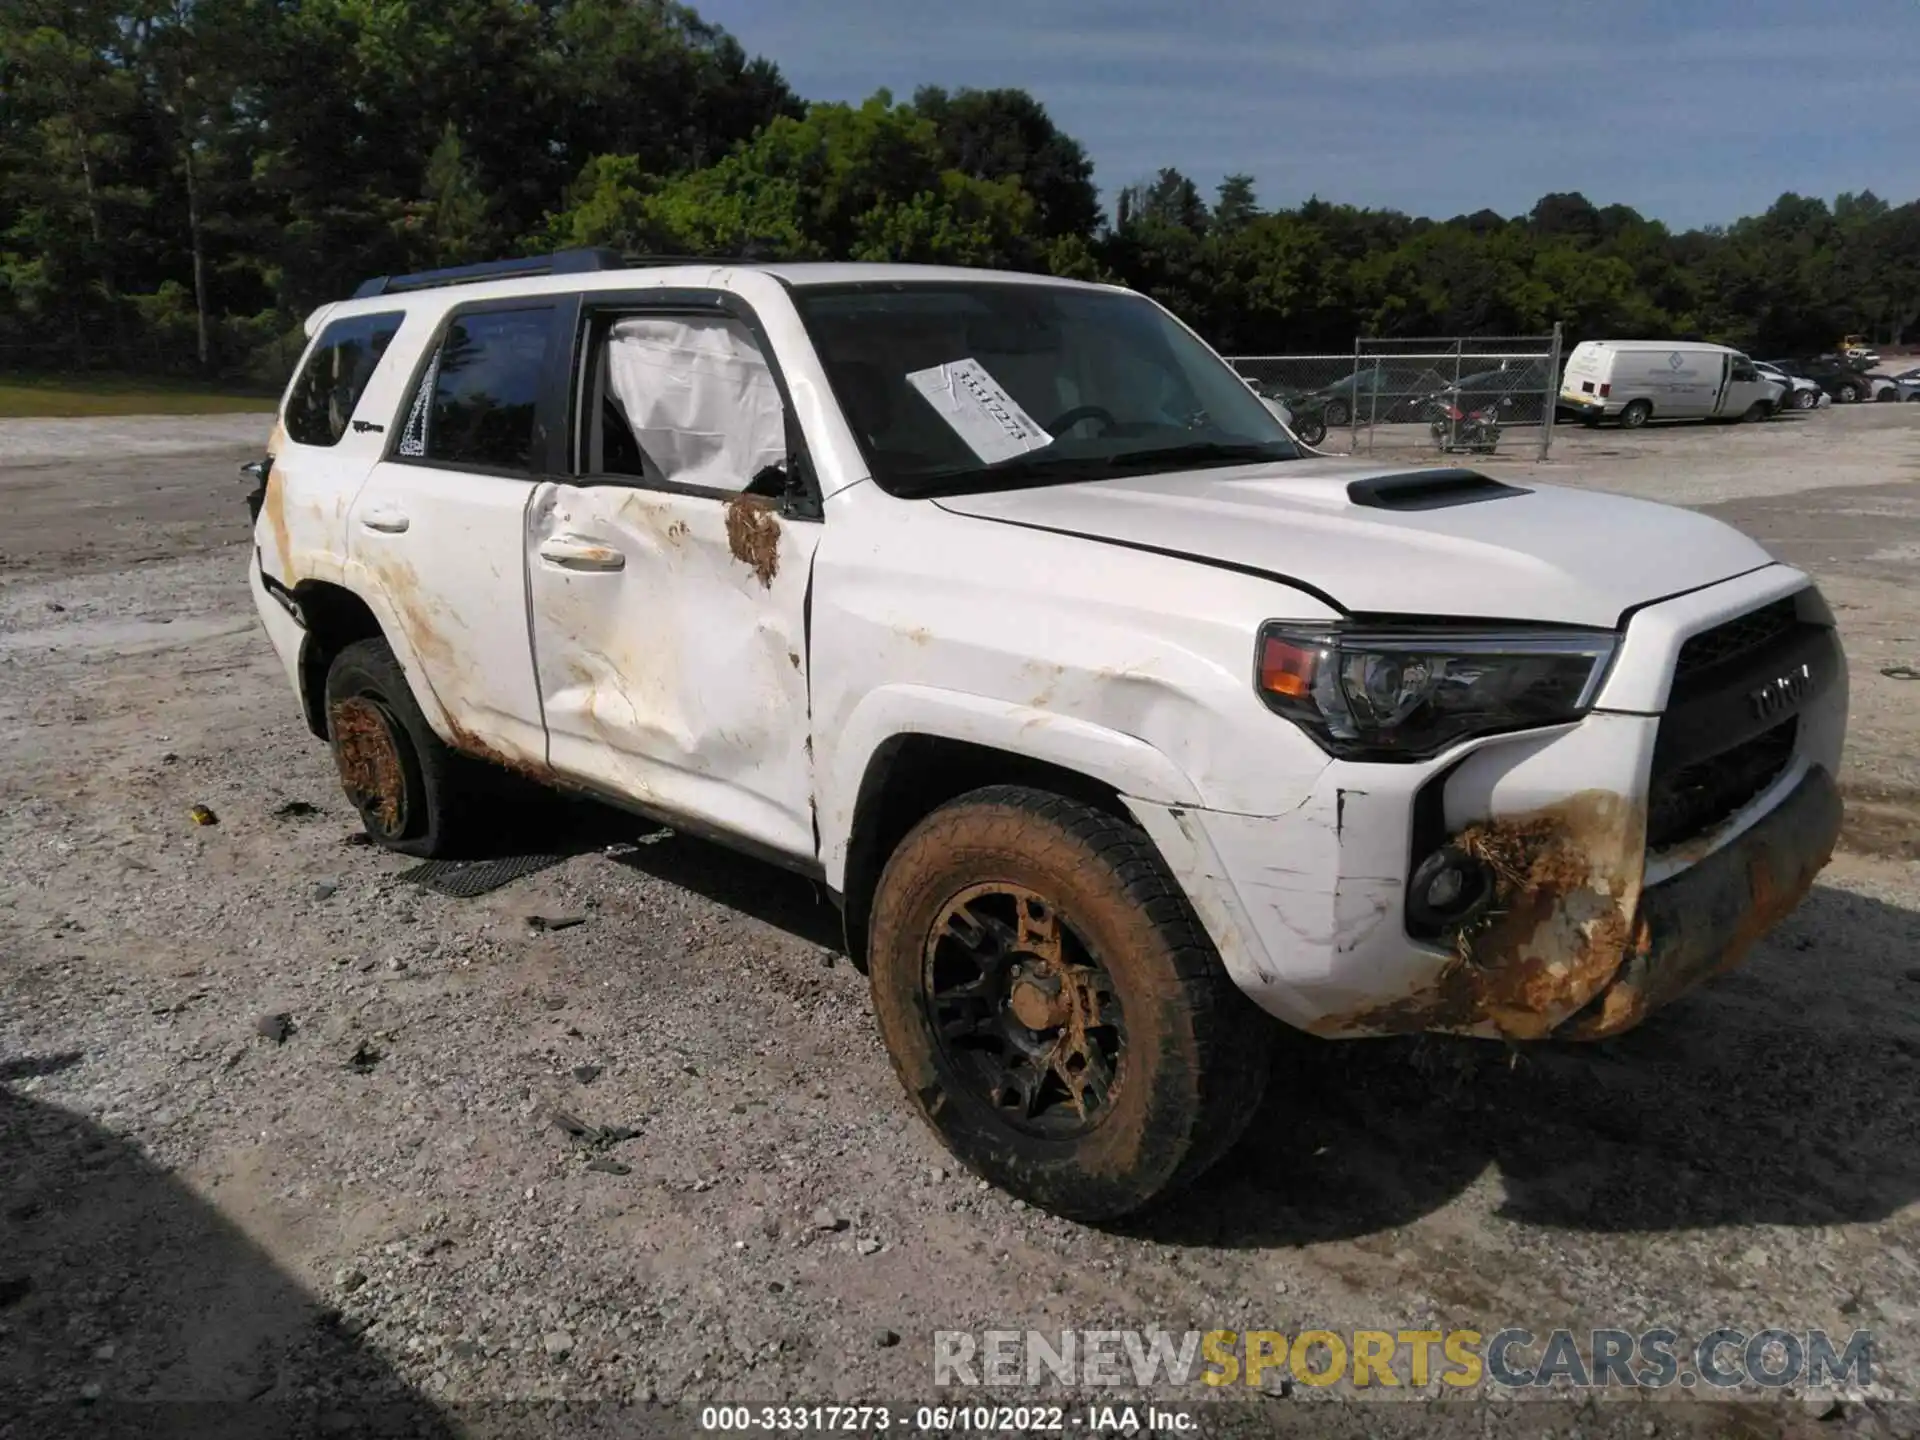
(1684, 803)
(1740, 636)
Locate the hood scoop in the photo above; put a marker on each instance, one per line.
(1436, 489)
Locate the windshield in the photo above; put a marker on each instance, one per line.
(965, 386)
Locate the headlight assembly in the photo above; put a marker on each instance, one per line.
(1407, 694)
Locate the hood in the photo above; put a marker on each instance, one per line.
(1401, 540)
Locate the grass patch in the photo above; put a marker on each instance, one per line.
(66, 396)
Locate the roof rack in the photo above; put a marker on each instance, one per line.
(560, 262)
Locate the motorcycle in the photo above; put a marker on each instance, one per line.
(1455, 431)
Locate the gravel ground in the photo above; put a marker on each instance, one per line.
(277, 1125)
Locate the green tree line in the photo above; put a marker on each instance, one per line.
(182, 180)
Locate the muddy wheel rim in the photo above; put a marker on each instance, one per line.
(1024, 1012)
(366, 748)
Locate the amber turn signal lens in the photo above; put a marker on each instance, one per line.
(1286, 668)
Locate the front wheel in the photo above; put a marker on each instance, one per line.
(1053, 1007)
(1337, 414)
(1805, 399)
(1846, 393)
(1312, 430)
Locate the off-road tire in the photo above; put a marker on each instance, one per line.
(1637, 413)
(1194, 1061)
(414, 795)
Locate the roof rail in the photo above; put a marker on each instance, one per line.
(561, 262)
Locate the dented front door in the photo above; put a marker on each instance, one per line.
(669, 636)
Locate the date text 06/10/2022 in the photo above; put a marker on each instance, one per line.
(947, 1419)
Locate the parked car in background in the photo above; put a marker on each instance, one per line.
(1380, 393)
(1838, 377)
(1856, 349)
(1515, 390)
(1801, 393)
(1634, 381)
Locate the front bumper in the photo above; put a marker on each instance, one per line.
(1705, 920)
(1598, 920)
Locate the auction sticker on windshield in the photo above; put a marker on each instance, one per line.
(981, 413)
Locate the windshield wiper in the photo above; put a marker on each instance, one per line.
(1197, 451)
(1047, 466)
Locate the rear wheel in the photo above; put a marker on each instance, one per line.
(1337, 413)
(1053, 1008)
(1313, 429)
(1805, 399)
(410, 789)
(1887, 393)
(1847, 392)
(1637, 413)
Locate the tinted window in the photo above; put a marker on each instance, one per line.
(329, 386)
(476, 402)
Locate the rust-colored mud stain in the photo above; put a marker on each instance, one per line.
(753, 536)
(1689, 950)
(467, 743)
(368, 759)
(1566, 890)
(414, 610)
(274, 507)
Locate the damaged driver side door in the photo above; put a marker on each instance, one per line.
(668, 577)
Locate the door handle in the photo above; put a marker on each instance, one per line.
(387, 521)
(570, 552)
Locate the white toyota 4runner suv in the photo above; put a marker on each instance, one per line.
(1118, 724)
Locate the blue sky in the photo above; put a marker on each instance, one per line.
(1692, 111)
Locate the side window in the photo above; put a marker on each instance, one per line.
(686, 400)
(476, 402)
(330, 384)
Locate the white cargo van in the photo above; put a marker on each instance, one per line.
(1634, 381)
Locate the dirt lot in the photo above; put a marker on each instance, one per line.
(378, 1207)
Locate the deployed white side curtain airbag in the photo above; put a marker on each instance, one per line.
(698, 396)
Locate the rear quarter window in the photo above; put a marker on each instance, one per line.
(476, 401)
(329, 386)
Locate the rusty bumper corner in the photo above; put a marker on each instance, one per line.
(1703, 922)
(1575, 949)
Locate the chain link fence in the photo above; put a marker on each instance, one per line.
(1466, 395)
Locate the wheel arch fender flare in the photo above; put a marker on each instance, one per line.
(365, 586)
(1125, 763)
